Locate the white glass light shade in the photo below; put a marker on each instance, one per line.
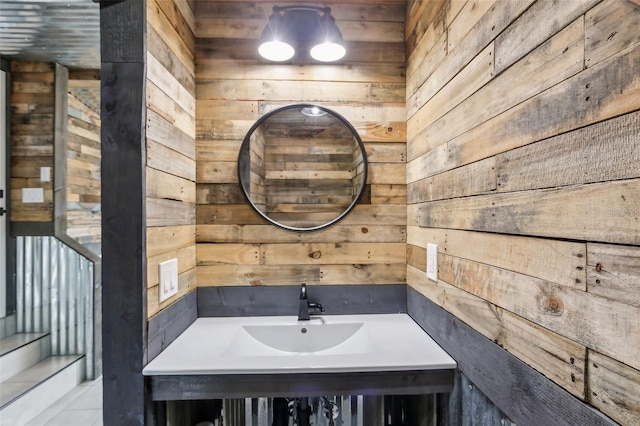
(327, 52)
(276, 51)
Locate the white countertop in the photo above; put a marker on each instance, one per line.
(224, 345)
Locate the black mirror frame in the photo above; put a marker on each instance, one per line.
(243, 167)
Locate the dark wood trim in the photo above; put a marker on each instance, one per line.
(123, 31)
(283, 300)
(524, 395)
(169, 323)
(31, 229)
(308, 384)
(61, 113)
(124, 296)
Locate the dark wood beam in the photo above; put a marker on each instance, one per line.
(122, 33)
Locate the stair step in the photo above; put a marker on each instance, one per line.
(28, 393)
(20, 351)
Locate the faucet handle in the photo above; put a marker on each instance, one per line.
(303, 291)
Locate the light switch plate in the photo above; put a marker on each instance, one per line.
(45, 174)
(168, 273)
(32, 195)
(432, 262)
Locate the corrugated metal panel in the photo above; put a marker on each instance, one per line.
(66, 32)
(54, 289)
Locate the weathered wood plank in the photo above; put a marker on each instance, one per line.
(473, 179)
(469, 80)
(169, 323)
(575, 157)
(602, 212)
(522, 393)
(555, 261)
(607, 326)
(606, 90)
(292, 91)
(157, 47)
(160, 184)
(268, 275)
(217, 172)
(467, 18)
(538, 24)
(243, 28)
(163, 105)
(389, 194)
(337, 233)
(163, 212)
(165, 239)
(238, 69)
(170, 161)
(170, 85)
(614, 388)
(231, 254)
(557, 357)
(387, 173)
(377, 10)
(610, 28)
(157, 20)
(162, 131)
(614, 272)
(492, 23)
(427, 45)
(323, 253)
(553, 62)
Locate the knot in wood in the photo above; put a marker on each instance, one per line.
(316, 254)
(364, 230)
(554, 306)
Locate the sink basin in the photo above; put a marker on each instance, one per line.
(330, 343)
(304, 337)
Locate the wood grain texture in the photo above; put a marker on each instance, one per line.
(558, 358)
(605, 212)
(124, 242)
(31, 138)
(614, 388)
(523, 394)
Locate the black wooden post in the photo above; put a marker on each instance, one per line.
(123, 75)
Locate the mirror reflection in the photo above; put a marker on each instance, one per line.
(302, 167)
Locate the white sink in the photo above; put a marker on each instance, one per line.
(331, 343)
(303, 337)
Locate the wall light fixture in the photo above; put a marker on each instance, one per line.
(301, 27)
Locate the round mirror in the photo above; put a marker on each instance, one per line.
(302, 167)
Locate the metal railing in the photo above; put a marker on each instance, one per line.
(55, 294)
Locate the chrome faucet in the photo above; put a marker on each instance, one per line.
(305, 305)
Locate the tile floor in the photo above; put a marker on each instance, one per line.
(80, 407)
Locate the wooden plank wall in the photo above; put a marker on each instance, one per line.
(170, 132)
(31, 139)
(233, 88)
(522, 165)
(83, 171)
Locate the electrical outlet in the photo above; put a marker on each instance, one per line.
(432, 262)
(168, 272)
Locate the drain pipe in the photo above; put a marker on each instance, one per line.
(304, 412)
(280, 412)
